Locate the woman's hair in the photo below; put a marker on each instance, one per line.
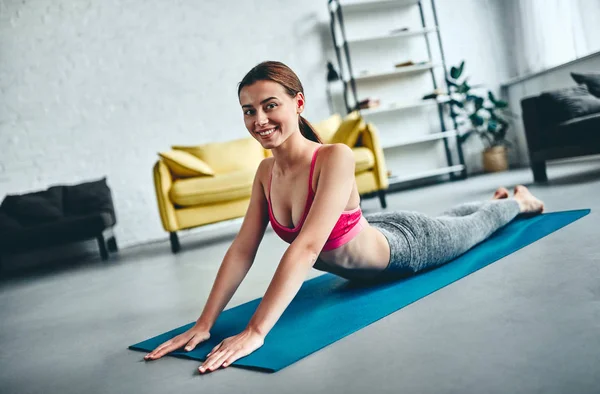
(283, 75)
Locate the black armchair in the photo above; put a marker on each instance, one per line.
(552, 134)
(61, 214)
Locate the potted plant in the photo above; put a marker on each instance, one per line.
(480, 115)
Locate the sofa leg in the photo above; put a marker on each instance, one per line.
(175, 246)
(112, 245)
(539, 171)
(382, 199)
(102, 247)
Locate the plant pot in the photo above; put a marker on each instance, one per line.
(495, 159)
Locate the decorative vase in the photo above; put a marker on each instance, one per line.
(495, 159)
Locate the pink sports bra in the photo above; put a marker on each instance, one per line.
(347, 227)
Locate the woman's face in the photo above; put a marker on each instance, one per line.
(270, 114)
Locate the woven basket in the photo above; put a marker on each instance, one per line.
(494, 159)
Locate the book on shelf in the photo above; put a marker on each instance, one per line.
(367, 103)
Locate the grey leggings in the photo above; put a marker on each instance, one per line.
(419, 242)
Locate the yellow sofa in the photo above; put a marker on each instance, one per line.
(198, 185)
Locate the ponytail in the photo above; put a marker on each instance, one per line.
(308, 131)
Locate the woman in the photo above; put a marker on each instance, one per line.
(307, 191)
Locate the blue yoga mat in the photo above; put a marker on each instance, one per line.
(328, 308)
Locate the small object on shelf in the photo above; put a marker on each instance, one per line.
(434, 94)
(332, 75)
(405, 64)
(410, 63)
(400, 30)
(368, 103)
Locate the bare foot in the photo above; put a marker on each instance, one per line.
(527, 201)
(500, 193)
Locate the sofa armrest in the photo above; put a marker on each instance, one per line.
(533, 124)
(369, 138)
(162, 185)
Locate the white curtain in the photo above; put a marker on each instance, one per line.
(551, 32)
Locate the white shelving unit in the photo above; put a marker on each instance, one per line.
(425, 138)
(390, 36)
(383, 33)
(367, 74)
(365, 5)
(400, 106)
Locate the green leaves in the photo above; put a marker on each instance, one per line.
(497, 103)
(492, 125)
(476, 119)
(457, 72)
(463, 88)
(482, 115)
(466, 136)
(478, 103)
(457, 103)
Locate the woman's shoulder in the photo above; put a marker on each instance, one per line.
(332, 154)
(263, 171)
(335, 159)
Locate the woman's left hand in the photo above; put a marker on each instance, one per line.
(231, 349)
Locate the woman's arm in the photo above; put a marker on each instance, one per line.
(336, 181)
(240, 255)
(335, 184)
(235, 266)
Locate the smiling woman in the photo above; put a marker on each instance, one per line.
(279, 77)
(307, 191)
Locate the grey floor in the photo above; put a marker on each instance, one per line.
(528, 323)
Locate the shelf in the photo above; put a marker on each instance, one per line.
(399, 106)
(417, 140)
(425, 174)
(365, 5)
(403, 34)
(397, 71)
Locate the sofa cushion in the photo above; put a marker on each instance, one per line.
(577, 132)
(8, 224)
(327, 127)
(210, 190)
(223, 157)
(364, 159)
(570, 103)
(184, 165)
(349, 130)
(591, 80)
(34, 208)
(88, 197)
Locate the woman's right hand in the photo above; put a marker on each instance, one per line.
(189, 339)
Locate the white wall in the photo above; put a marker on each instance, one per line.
(93, 88)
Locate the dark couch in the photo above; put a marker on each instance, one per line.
(560, 124)
(59, 215)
